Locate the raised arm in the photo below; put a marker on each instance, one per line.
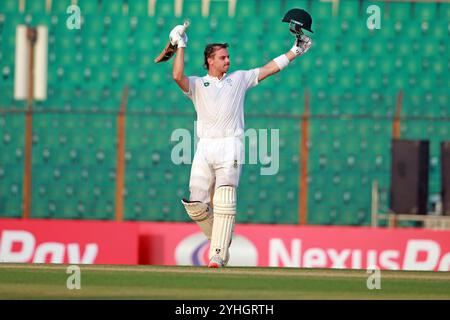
(179, 38)
(301, 46)
(178, 70)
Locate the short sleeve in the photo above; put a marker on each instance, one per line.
(251, 77)
(190, 93)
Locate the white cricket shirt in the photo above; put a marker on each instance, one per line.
(220, 103)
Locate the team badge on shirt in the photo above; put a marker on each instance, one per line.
(206, 84)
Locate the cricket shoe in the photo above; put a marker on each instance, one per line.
(224, 262)
(216, 262)
(217, 258)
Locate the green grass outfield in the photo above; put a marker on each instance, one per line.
(43, 281)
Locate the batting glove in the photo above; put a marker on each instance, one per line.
(301, 45)
(178, 37)
(182, 42)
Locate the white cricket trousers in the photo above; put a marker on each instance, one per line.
(217, 162)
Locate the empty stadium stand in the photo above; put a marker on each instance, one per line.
(352, 74)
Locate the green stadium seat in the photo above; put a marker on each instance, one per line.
(271, 9)
(415, 33)
(348, 10)
(165, 8)
(321, 10)
(348, 46)
(324, 29)
(290, 4)
(325, 47)
(8, 35)
(121, 26)
(424, 11)
(201, 28)
(113, 7)
(227, 27)
(11, 164)
(60, 6)
(358, 28)
(442, 98)
(192, 9)
(89, 6)
(399, 10)
(11, 6)
(246, 9)
(444, 11)
(36, 6)
(38, 19)
(138, 8)
(218, 8)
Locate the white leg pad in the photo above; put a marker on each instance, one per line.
(201, 213)
(224, 217)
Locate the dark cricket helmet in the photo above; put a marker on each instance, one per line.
(298, 19)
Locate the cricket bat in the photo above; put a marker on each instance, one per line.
(170, 49)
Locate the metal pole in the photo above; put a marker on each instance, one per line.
(375, 203)
(32, 37)
(120, 174)
(304, 155)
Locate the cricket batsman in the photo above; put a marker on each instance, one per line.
(218, 98)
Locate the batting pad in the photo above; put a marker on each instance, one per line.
(224, 216)
(201, 213)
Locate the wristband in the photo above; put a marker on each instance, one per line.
(282, 61)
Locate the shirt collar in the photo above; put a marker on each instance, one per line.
(211, 78)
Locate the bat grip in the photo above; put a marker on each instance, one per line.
(185, 26)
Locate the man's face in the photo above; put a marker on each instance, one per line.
(220, 60)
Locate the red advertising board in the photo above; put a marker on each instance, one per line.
(161, 243)
(305, 246)
(68, 241)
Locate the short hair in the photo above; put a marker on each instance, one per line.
(210, 49)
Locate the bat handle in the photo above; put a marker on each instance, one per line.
(185, 26)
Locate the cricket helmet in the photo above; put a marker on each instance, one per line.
(298, 19)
